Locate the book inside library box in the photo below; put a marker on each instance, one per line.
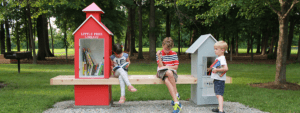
(209, 61)
(91, 54)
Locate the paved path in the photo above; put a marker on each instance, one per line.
(157, 106)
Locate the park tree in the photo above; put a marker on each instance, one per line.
(140, 6)
(152, 38)
(250, 9)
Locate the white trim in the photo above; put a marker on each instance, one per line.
(91, 16)
(196, 46)
(93, 10)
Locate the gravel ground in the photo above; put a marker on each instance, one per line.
(157, 106)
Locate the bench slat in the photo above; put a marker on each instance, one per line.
(134, 79)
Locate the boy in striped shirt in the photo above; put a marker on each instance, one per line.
(167, 61)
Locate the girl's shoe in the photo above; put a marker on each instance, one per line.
(122, 100)
(131, 89)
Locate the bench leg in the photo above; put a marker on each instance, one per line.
(92, 95)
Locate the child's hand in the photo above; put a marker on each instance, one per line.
(208, 69)
(158, 53)
(127, 66)
(163, 67)
(214, 70)
(113, 72)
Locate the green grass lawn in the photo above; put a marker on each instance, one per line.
(59, 52)
(31, 92)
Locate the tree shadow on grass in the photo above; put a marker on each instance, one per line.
(272, 85)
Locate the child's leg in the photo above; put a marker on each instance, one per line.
(122, 86)
(171, 89)
(172, 80)
(220, 100)
(124, 76)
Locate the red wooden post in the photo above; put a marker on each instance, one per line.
(92, 28)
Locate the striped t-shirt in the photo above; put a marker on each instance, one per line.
(169, 59)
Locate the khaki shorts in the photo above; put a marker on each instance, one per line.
(161, 74)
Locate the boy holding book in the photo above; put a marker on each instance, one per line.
(118, 60)
(167, 61)
(219, 74)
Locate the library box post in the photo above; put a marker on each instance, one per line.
(202, 56)
(93, 47)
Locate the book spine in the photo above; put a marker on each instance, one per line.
(101, 69)
(83, 63)
(213, 63)
(98, 68)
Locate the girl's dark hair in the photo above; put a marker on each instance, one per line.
(117, 48)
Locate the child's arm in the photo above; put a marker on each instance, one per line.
(111, 65)
(224, 68)
(209, 69)
(128, 60)
(160, 64)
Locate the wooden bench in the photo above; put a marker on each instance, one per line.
(134, 79)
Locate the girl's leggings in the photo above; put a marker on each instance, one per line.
(123, 78)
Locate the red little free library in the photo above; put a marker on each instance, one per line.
(93, 46)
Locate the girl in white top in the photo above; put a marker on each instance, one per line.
(118, 59)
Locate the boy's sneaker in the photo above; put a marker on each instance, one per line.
(221, 112)
(177, 108)
(215, 110)
(172, 102)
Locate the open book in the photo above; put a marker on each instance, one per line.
(122, 66)
(163, 69)
(217, 64)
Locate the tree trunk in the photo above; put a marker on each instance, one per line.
(283, 18)
(132, 31)
(17, 35)
(46, 41)
(168, 24)
(179, 39)
(282, 51)
(152, 49)
(228, 42)
(271, 45)
(8, 43)
(128, 33)
(140, 55)
(298, 49)
(259, 38)
(65, 40)
(237, 45)
(126, 41)
(26, 32)
(2, 38)
(231, 51)
(30, 33)
(290, 37)
(232, 44)
(248, 46)
(41, 39)
(51, 36)
(251, 45)
(263, 39)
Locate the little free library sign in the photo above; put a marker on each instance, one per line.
(91, 34)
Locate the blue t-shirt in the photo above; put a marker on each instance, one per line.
(119, 61)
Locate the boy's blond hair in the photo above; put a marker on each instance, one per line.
(222, 44)
(168, 41)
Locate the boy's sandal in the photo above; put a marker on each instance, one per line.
(122, 100)
(131, 89)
